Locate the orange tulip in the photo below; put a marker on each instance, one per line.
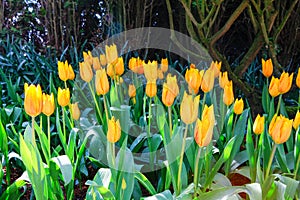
(216, 67)
(151, 88)
(189, 108)
(131, 91)
(96, 63)
(71, 73)
(228, 96)
(114, 130)
(136, 65)
(86, 72)
(285, 82)
(296, 120)
(103, 60)
(119, 66)
(101, 82)
(170, 90)
(33, 101)
(208, 80)
(298, 78)
(65, 71)
(223, 79)
(258, 125)
(150, 71)
(63, 96)
(274, 87)
(267, 67)
(111, 53)
(75, 111)
(238, 106)
(194, 78)
(48, 104)
(280, 129)
(87, 57)
(164, 65)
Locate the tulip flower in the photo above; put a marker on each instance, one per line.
(189, 108)
(75, 111)
(103, 60)
(238, 106)
(48, 104)
(87, 57)
(136, 65)
(96, 63)
(170, 90)
(296, 120)
(258, 125)
(223, 79)
(33, 101)
(111, 54)
(65, 71)
(101, 82)
(216, 67)
(160, 74)
(131, 91)
(71, 73)
(194, 78)
(164, 65)
(114, 130)
(150, 71)
(86, 72)
(208, 80)
(115, 69)
(267, 67)
(151, 88)
(228, 96)
(285, 82)
(298, 78)
(280, 129)
(63, 96)
(274, 87)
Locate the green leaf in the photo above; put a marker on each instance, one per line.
(12, 192)
(65, 166)
(145, 182)
(291, 185)
(165, 195)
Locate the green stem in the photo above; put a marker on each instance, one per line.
(64, 124)
(105, 108)
(49, 136)
(268, 106)
(234, 123)
(196, 173)
(170, 120)
(279, 102)
(96, 102)
(149, 136)
(112, 145)
(297, 166)
(270, 161)
(32, 132)
(181, 159)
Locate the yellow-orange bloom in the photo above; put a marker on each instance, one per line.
(296, 120)
(274, 87)
(259, 124)
(228, 96)
(150, 71)
(238, 106)
(103, 60)
(194, 78)
(208, 80)
(285, 82)
(131, 91)
(63, 96)
(189, 108)
(33, 101)
(267, 67)
(136, 65)
(65, 71)
(114, 130)
(170, 90)
(120, 66)
(71, 73)
(101, 82)
(216, 66)
(87, 57)
(48, 104)
(204, 128)
(298, 78)
(75, 111)
(86, 72)
(160, 74)
(151, 88)
(223, 79)
(111, 53)
(96, 63)
(280, 129)
(164, 65)
(116, 68)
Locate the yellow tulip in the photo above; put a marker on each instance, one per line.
(116, 68)
(150, 71)
(216, 66)
(96, 63)
(189, 108)
(296, 120)
(194, 78)
(151, 88)
(238, 106)
(223, 79)
(103, 60)
(111, 53)
(285, 82)
(63, 96)
(164, 65)
(170, 90)
(136, 65)
(274, 87)
(114, 130)
(208, 80)
(33, 101)
(48, 104)
(119, 66)
(101, 82)
(86, 72)
(258, 125)
(87, 57)
(71, 74)
(267, 67)
(298, 78)
(280, 129)
(228, 96)
(75, 111)
(63, 70)
(131, 91)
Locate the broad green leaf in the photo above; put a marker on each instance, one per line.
(65, 166)
(12, 192)
(291, 185)
(145, 182)
(165, 195)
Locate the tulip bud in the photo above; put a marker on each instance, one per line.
(87, 57)
(151, 88)
(274, 86)
(194, 78)
(298, 78)
(63, 70)
(285, 82)
(131, 91)
(238, 106)
(75, 111)
(164, 65)
(160, 74)
(101, 82)
(258, 125)
(216, 67)
(71, 73)
(228, 96)
(119, 66)
(223, 79)
(150, 71)
(86, 72)
(280, 129)
(96, 63)
(189, 108)
(103, 60)
(48, 104)
(170, 90)
(267, 67)
(114, 130)
(63, 97)
(111, 54)
(296, 120)
(208, 80)
(33, 101)
(136, 65)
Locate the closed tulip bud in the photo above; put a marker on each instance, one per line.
(223, 79)
(259, 124)
(63, 70)
(194, 78)
(164, 65)
(86, 72)
(75, 111)
(111, 54)
(285, 82)
(136, 65)
(238, 106)
(48, 104)
(274, 87)
(228, 96)
(151, 88)
(298, 78)
(267, 67)
(296, 121)
(189, 108)
(63, 97)
(280, 129)
(208, 80)
(87, 57)
(114, 130)
(216, 66)
(160, 74)
(150, 71)
(131, 91)
(96, 63)
(103, 60)
(33, 101)
(119, 67)
(101, 82)
(170, 90)
(71, 73)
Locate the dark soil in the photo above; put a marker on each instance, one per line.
(238, 180)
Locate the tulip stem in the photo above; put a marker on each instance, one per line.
(96, 102)
(279, 102)
(49, 139)
(270, 161)
(112, 145)
(64, 125)
(105, 107)
(196, 173)
(170, 120)
(149, 135)
(268, 106)
(181, 158)
(204, 99)
(32, 131)
(297, 166)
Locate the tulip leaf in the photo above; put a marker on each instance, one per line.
(65, 166)
(271, 111)
(251, 152)
(265, 98)
(297, 147)
(281, 158)
(291, 185)
(3, 140)
(145, 182)
(12, 192)
(165, 195)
